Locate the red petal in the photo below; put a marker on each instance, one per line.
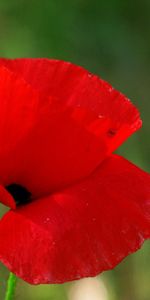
(46, 145)
(74, 86)
(42, 149)
(81, 231)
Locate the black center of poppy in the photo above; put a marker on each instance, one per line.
(20, 194)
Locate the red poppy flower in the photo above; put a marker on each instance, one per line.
(76, 208)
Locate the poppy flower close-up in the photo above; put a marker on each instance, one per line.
(76, 209)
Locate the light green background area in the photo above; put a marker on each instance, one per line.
(112, 39)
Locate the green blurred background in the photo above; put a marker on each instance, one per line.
(112, 39)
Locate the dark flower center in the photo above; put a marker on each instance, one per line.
(20, 194)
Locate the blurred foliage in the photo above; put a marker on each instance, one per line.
(110, 38)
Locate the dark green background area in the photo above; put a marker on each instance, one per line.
(112, 39)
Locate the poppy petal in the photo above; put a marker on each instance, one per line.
(31, 133)
(82, 230)
(45, 146)
(72, 85)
